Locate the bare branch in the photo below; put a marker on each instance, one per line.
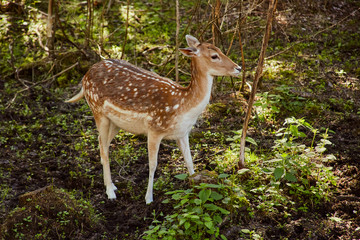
(177, 42)
(258, 73)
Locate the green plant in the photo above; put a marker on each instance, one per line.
(249, 234)
(267, 106)
(198, 212)
(298, 168)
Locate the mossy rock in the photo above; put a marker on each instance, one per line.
(217, 108)
(205, 176)
(51, 213)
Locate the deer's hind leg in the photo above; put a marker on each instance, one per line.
(107, 131)
(153, 149)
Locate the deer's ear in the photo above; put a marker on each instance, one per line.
(189, 52)
(192, 41)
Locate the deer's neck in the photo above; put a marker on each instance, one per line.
(199, 89)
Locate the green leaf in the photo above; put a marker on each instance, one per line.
(268, 170)
(273, 160)
(197, 201)
(223, 175)
(294, 130)
(176, 196)
(210, 185)
(194, 217)
(320, 149)
(250, 140)
(182, 221)
(243, 170)
(197, 210)
(223, 237)
(330, 157)
(181, 176)
(301, 134)
(217, 219)
(211, 207)
(184, 201)
(223, 211)
(204, 195)
(290, 177)
(335, 219)
(187, 225)
(278, 173)
(216, 196)
(209, 225)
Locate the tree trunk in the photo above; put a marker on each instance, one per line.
(88, 33)
(216, 21)
(50, 44)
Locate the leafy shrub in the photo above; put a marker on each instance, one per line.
(198, 212)
(301, 169)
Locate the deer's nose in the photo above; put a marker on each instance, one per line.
(238, 68)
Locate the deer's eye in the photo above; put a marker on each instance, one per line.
(215, 56)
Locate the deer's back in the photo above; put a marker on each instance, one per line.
(133, 98)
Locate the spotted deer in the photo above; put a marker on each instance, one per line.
(123, 96)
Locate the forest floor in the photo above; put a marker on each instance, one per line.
(47, 143)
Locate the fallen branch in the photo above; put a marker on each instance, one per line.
(52, 78)
(58, 74)
(272, 8)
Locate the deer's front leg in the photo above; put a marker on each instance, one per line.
(153, 149)
(183, 144)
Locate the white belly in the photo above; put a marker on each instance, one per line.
(130, 121)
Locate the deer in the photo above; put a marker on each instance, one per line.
(124, 96)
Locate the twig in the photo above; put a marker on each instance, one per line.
(36, 10)
(58, 74)
(177, 42)
(40, 39)
(242, 51)
(16, 94)
(272, 8)
(182, 36)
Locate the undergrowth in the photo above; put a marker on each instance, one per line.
(294, 178)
